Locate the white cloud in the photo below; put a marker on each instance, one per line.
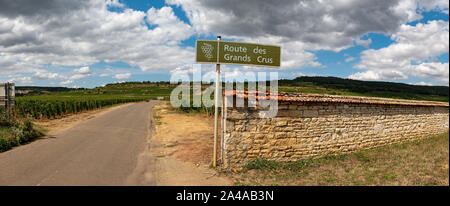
(436, 5)
(185, 70)
(82, 70)
(87, 32)
(170, 29)
(67, 82)
(364, 43)
(349, 59)
(371, 75)
(414, 47)
(411, 8)
(300, 26)
(11, 64)
(123, 76)
(422, 83)
(114, 3)
(81, 73)
(435, 70)
(73, 33)
(318, 23)
(79, 76)
(47, 75)
(22, 80)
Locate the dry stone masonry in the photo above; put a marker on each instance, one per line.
(308, 126)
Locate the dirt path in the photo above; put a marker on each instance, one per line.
(182, 147)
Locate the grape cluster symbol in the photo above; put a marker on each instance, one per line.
(207, 50)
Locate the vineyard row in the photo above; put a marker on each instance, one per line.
(41, 108)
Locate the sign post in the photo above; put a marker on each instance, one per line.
(226, 52)
(7, 99)
(216, 111)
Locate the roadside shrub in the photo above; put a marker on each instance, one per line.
(4, 145)
(14, 133)
(4, 122)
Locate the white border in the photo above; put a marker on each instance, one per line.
(218, 59)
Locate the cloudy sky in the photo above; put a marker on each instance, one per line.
(92, 43)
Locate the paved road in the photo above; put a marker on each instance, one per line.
(99, 151)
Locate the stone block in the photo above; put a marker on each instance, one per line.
(310, 113)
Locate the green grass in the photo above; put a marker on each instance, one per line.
(295, 166)
(14, 133)
(420, 162)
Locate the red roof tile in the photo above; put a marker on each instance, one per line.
(302, 97)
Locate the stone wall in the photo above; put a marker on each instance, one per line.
(312, 129)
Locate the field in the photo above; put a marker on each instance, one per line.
(49, 102)
(421, 162)
(54, 106)
(345, 92)
(58, 104)
(339, 86)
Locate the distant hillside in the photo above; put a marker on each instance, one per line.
(334, 85)
(320, 85)
(32, 90)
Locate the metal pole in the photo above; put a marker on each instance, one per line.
(224, 126)
(216, 112)
(7, 99)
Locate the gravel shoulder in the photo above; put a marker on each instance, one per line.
(182, 147)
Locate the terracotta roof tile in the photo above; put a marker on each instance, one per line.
(302, 97)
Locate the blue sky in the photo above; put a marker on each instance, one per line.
(149, 40)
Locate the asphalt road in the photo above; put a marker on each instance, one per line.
(99, 151)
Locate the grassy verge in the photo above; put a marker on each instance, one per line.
(421, 162)
(14, 133)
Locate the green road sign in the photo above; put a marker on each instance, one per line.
(224, 52)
